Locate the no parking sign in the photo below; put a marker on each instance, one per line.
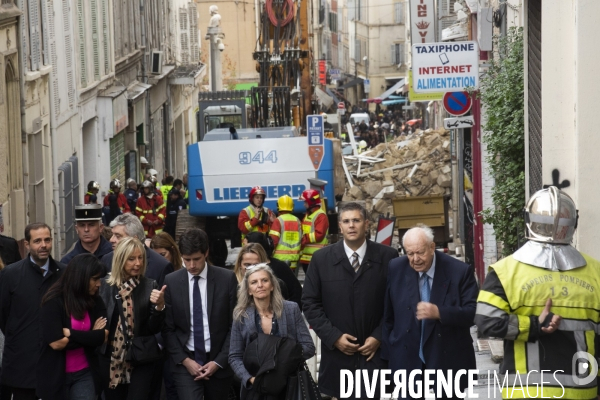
(457, 103)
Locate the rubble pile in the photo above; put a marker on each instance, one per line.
(414, 165)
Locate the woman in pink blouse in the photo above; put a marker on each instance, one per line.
(73, 324)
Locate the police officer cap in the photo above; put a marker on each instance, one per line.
(88, 212)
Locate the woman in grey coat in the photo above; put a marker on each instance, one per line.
(261, 309)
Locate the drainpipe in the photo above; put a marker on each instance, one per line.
(257, 24)
(477, 191)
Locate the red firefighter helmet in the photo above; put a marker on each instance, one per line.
(256, 190)
(312, 197)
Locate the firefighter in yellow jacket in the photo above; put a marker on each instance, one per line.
(315, 226)
(256, 217)
(286, 233)
(544, 301)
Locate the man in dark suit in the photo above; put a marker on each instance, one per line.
(342, 299)
(22, 286)
(200, 300)
(9, 250)
(128, 225)
(430, 305)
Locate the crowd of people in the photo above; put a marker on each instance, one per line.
(156, 206)
(126, 322)
(382, 127)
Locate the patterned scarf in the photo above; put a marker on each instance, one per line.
(120, 370)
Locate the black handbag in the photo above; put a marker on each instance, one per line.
(139, 350)
(302, 385)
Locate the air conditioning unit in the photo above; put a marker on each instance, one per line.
(156, 62)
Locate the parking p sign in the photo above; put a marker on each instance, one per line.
(315, 132)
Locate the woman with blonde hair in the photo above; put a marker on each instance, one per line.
(261, 309)
(250, 254)
(135, 309)
(164, 245)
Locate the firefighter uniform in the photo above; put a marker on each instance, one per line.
(121, 201)
(286, 233)
(512, 298)
(543, 300)
(151, 209)
(315, 228)
(262, 221)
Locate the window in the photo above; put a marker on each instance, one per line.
(333, 22)
(399, 13)
(357, 54)
(397, 54)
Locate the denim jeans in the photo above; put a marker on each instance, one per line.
(80, 385)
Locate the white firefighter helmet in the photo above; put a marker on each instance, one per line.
(551, 216)
(362, 144)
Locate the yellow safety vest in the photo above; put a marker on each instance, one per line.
(251, 214)
(165, 189)
(308, 228)
(575, 297)
(290, 239)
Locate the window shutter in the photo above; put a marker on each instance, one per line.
(399, 13)
(351, 10)
(95, 39)
(357, 55)
(34, 34)
(44, 7)
(194, 34)
(393, 53)
(401, 53)
(68, 53)
(81, 30)
(184, 39)
(53, 56)
(105, 37)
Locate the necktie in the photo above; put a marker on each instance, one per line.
(355, 263)
(199, 349)
(425, 293)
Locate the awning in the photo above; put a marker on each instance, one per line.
(323, 97)
(391, 90)
(396, 101)
(353, 82)
(187, 74)
(136, 89)
(330, 93)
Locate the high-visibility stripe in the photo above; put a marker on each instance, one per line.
(285, 252)
(524, 325)
(161, 216)
(274, 233)
(520, 357)
(489, 311)
(248, 225)
(590, 340)
(494, 300)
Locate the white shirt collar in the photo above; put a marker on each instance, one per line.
(431, 271)
(202, 274)
(45, 267)
(361, 251)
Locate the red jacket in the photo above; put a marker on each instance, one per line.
(247, 224)
(121, 201)
(151, 211)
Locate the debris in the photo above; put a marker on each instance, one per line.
(414, 165)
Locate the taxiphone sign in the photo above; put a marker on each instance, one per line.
(423, 383)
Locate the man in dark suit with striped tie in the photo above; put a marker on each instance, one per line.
(342, 299)
(200, 299)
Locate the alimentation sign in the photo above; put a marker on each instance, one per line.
(445, 67)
